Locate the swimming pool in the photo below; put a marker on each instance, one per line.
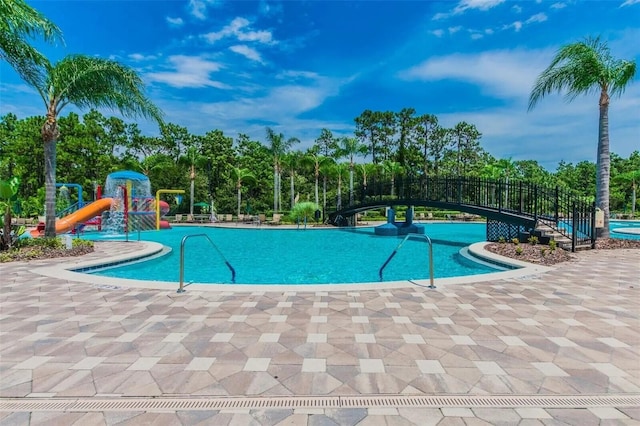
(618, 229)
(312, 256)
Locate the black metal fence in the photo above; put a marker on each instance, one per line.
(558, 208)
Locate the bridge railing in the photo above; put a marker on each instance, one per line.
(559, 208)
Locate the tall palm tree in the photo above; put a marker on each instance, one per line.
(292, 161)
(241, 176)
(393, 169)
(630, 180)
(350, 148)
(314, 159)
(278, 146)
(85, 82)
(366, 170)
(339, 170)
(581, 68)
(192, 157)
(18, 22)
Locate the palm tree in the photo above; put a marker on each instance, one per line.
(292, 161)
(393, 169)
(241, 176)
(192, 157)
(366, 170)
(19, 21)
(85, 82)
(316, 160)
(326, 169)
(304, 210)
(278, 146)
(581, 68)
(339, 170)
(630, 180)
(351, 147)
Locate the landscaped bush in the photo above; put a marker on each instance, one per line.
(45, 248)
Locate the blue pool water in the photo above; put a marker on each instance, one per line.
(621, 224)
(314, 256)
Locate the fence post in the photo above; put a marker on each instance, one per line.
(556, 205)
(459, 190)
(520, 201)
(574, 230)
(535, 202)
(593, 225)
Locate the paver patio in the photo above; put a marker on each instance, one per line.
(572, 331)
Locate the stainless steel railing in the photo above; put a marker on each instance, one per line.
(184, 240)
(425, 237)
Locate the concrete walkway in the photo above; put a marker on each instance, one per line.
(510, 351)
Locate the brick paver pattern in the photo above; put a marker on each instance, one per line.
(574, 330)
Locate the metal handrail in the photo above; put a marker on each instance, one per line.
(426, 237)
(184, 240)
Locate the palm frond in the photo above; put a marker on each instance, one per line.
(582, 68)
(17, 17)
(88, 82)
(19, 22)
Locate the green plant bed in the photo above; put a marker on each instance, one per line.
(27, 249)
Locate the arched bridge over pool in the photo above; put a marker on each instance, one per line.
(511, 207)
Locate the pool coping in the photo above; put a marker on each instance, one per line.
(68, 270)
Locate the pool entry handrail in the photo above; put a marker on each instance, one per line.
(182, 243)
(428, 240)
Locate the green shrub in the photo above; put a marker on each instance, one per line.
(543, 251)
(518, 250)
(533, 240)
(82, 243)
(515, 241)
(553, 245)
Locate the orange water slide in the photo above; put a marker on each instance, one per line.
(89, 211)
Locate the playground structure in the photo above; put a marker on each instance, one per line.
(127, 206)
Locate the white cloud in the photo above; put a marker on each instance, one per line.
(516, 8)
(175, 22)
(483, 5)
(198, 8)
(453, 30)
(139, 57)
(476, 36)
(558, 6)
(465, 5)
(259, 36)
(438, 33)
(538, 17)
(236, 28)
(247, 52)
(501, 74)
(278, 107)
(629, 3)
(517, 26)
(555, 130)
(188, 71)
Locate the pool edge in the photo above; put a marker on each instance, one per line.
(67, 270)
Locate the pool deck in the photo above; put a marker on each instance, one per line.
(557, 346)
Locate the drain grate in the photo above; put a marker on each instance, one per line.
(124, 404)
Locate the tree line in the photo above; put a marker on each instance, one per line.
(397, 142)
(270, 175)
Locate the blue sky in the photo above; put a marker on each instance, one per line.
(300, 66)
